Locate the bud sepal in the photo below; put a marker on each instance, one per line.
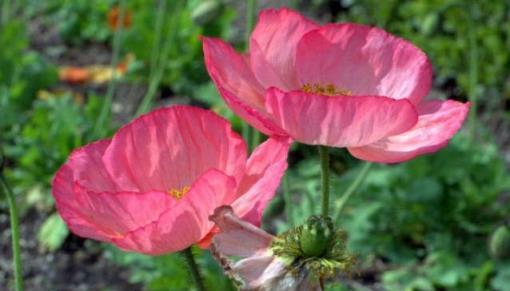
(316, 246)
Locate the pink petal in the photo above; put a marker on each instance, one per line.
(259, 271)
(231, 71)
(264, 171)
(364, 60)
(171, 147)
(339, 121)
(234, 230)
(273, 46)
(90, 212)
(242, 239)
(438, 122)
(184, 224)
(237, 85)
(88, 157)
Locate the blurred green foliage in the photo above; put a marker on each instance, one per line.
(23, 73)
(183, 67)
(158, 273)
(80, 21)
(426, 222)
(432, 217)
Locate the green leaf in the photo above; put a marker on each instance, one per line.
(53, 232)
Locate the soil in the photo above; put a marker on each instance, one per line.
(79, 265)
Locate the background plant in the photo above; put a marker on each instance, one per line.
(421, 225)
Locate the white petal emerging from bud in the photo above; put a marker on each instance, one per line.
(258, 268)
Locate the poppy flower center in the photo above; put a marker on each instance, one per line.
(328, 89)
(178, 193)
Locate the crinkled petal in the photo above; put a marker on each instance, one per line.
(365, 61)
(101, 215)
(88, 157)
(237, 84)
(264, 171)
(273, 46)
(171, 147)
(231, 71)
(339, 121)
(234, 230)
(259, 271)
(258, 268)
(258, 119)
(184, 224)
(438, 122)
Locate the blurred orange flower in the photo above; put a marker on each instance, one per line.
(114, 20)
(74, 75)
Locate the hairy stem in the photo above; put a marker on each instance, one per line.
(193, 269)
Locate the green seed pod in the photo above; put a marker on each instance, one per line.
(499, 244)
(206, 12)
(316, 236)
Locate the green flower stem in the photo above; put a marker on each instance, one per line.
(340, 205)
(6, 11)
(324, 157)
(473, 69)
(107, 105)
(160, 15)
(251, 135)
(193, 269)
(16, 253)
(247, 131)
(255, 139)
(160, 53)
(251, 10)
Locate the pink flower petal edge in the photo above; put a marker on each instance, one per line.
(103, 215)
(237, 84)
(438, 122)
(339, 121)
(234, 230)
(273, 47)
(264, 171)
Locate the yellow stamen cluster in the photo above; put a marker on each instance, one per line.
(328, 89)
(178, 193)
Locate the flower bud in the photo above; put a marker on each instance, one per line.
(499, 244)
(206, 12)
(316, 236)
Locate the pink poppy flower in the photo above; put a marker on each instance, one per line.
(151, 188)
(340, 85)
(258, 268)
